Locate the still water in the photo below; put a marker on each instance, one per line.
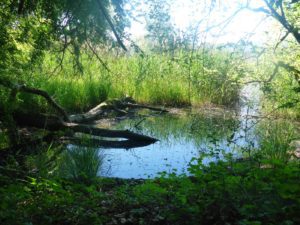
(185, 134)
(208, 133)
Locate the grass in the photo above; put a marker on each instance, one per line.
(276, 138)
(154, 79)
(223, 192)
(81, 164)
(79, 94)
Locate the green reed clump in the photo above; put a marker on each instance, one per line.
(153, 79)
(178, 80)
(275, 140)
(169, 80)
(82, 164)
(77, 94)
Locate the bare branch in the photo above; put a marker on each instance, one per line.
(282, 39)
(102, 9)
(282, 19)
(260, 9)
(275, 71)
(281, 9)
(98, 57)
(22, 88)
(226, 21)
(63, 52)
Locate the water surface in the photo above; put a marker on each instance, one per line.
(185, 135)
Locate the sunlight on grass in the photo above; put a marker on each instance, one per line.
(155, 79)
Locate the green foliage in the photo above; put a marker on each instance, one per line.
(3, 140)
(155, 79)
(50, 202)
(28, 28)
(280, 86)
(264, 189)
(276, 138)
(219, 193)
(81, 164)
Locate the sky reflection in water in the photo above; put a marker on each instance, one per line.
(183, 137)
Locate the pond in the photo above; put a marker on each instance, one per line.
(181, 138)
(186, 134)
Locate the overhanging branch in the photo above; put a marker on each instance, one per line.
(281, 18)
(102, 9)
(23, 88)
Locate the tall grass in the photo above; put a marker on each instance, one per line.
(82, 164)
(176, 80)
(275, 140)
(155, 79)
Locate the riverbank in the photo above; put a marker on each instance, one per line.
(235, 193)
(216, 192)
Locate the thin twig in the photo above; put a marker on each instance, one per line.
(282, 39)
(102, 9)
(98, 57)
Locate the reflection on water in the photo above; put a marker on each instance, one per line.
(184, 136)
(181, 139)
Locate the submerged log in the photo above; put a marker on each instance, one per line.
(139, 106)
(87, 129)
(94, 142)
(54, 123)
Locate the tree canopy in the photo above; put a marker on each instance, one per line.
(28, 27)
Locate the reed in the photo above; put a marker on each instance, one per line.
(82, 164)
(154, 79)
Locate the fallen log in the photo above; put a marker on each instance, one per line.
(87, 129)
(93, 114)
(94, 142)
(75, 122)
(54, 123)
(114, 105)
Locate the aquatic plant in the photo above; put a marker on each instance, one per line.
(81, 164)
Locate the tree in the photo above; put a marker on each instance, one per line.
(286, 12)
(29, 28)
(59, 24)
(161, 32)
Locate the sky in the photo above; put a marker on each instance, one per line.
(246, 22)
